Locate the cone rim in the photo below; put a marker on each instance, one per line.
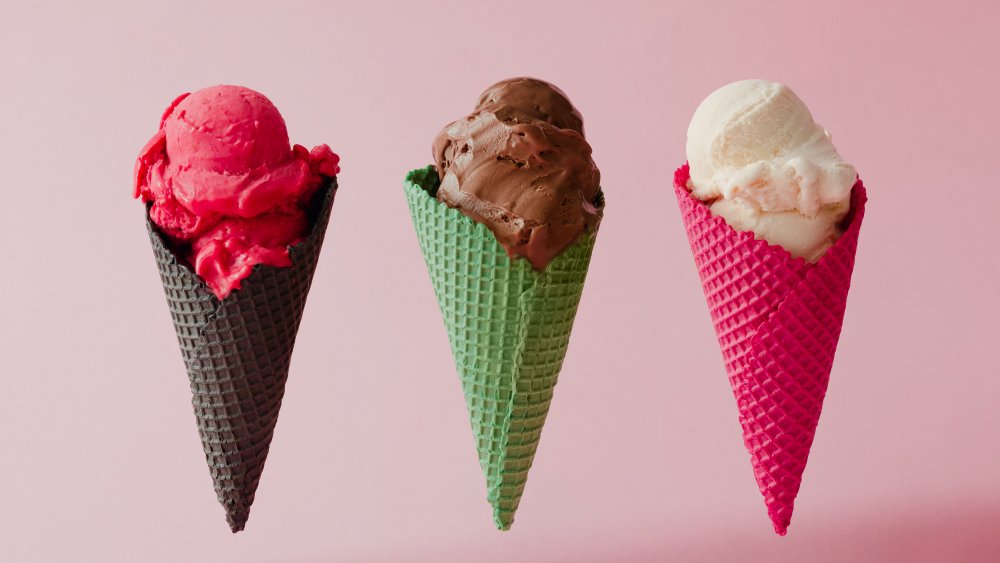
(410, 183)
(327, 191)
(858, 199)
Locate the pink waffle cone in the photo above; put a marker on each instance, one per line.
(778, 320)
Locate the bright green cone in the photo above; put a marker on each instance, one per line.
(509, 327)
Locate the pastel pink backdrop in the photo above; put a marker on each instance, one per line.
(641, 457)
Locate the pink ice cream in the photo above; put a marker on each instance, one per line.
(225, 185)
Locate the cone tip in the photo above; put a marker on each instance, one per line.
(237, 521)
(780, 514)
(502, 521)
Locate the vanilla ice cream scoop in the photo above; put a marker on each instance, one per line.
(759, 160)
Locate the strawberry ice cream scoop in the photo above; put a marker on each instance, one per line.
(225, 184)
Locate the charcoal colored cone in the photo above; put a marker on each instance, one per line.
(237, 353)
(509, 327)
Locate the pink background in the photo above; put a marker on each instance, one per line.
(373, 459)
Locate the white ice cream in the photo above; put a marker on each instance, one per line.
(761, 162)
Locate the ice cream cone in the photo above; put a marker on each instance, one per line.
(509, 327)
(237, 353)
(778, 319)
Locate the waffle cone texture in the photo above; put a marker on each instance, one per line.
(778, 319)
(237, 353)
(509, 326)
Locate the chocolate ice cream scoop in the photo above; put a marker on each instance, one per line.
(519, 165)
(530, 98)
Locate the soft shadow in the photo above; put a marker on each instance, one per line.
(915, 534)
(942, 533)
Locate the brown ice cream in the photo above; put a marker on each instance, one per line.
(519, 165)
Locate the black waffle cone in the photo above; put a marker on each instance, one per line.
(237, 352)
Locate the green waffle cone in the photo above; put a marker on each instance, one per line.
(509, 326)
